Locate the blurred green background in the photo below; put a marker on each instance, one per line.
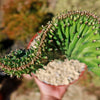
(20, 20)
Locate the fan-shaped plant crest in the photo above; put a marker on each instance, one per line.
(72, 35)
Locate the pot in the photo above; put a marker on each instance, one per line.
(82, 73)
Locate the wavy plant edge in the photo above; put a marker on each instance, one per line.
(72, 35)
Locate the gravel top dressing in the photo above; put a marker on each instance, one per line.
(60, 72)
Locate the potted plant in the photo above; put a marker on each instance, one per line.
(70, 35)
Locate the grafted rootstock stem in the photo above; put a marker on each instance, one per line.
(72, 35)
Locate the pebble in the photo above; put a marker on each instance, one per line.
(60, 72)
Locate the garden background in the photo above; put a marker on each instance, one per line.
(19, 21)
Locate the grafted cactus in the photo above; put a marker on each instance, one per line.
(75, 34)
(72, 35)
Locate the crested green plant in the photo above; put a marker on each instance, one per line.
(72, 35)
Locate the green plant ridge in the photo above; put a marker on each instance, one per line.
(72, 35)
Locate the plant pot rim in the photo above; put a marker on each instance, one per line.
(50, 84)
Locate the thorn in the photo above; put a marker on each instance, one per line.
(64, 16)
(71, 17)
(93, 27)
(68, 24)
(78, 36)
(51, 30)
(97, 48)
(98, 65)
(59, 17)
(94, 41)
(75, 18)
(78, 16)
(51, 40)
(49, 26)
(94, 33)
(56, 24)
(17, 76)
(82, 13)
(73, 32)
(86, 22)
(48, 22)
(93, 23)
(98, 57)
(42, 26)
(11, 75)
(64, 25)
(80, 22)
(89, 24)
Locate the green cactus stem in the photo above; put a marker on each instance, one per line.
(72, 35)
(76, 35)
(20, 62)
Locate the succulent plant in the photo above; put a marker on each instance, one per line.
(72, 35)
(20, 62)
(75, 34)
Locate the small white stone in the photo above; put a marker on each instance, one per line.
(66, 82)
(60, 73)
